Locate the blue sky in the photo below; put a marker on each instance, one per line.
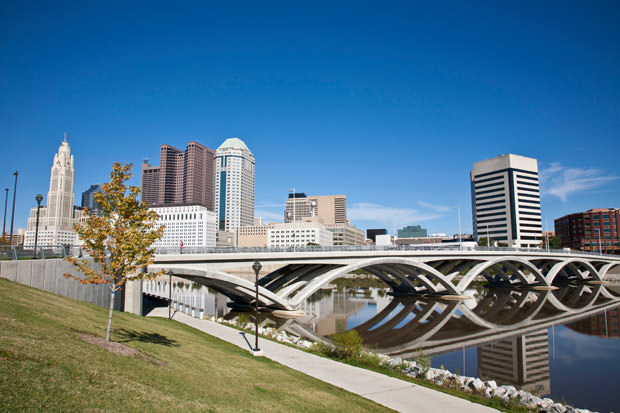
(390, 104)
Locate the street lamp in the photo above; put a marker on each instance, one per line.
(294, 207)
(458, 212)
(13, 211)
(256, 267)
(39, 198)
(169, 294)
(6, 200)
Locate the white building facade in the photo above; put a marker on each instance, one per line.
(191, 225)
(298, 234)
(234, 185)
(506, 200)
(56, 219)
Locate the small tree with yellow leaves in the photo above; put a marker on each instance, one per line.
(120, 240)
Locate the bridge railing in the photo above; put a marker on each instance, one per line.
(20, 252)
(354, 248)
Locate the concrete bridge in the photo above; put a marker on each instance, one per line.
(289, 278)
(408, 324)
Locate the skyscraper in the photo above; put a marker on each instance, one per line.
(234, 185)
(88, 198)
(183, 177)
(57, 218)
(506, 200)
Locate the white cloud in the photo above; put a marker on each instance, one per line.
(561, 181)
(438, 208)
(387, 215)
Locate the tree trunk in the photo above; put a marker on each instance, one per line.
(112, 294)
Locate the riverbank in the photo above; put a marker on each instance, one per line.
(506, 397)
(50, 360)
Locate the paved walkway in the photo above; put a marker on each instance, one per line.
(391, 392)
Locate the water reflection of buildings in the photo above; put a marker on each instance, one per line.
(603, 325)
(522, 361)
(329, 310)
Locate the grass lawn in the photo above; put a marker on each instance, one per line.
(45, 365)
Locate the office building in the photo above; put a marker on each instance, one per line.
(412, 232)
(191, 225)
(371, 234)
(56, 219)
(149, 185)
(88, 199)
(595, 230)
(298, 234)
(345, 234)
(329, 209)
(234, 185)
(253, 235)
(182, 177)
(506, 200)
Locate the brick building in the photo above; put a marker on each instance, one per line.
(594, 230)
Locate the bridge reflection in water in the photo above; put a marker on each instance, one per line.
(509, 327)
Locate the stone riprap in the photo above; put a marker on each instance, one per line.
(489, 389)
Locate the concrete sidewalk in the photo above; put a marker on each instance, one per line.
(391, 392)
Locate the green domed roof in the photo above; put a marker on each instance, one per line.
(233, 143)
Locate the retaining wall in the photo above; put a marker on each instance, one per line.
(47, 275)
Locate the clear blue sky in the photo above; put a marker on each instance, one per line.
(390, 104)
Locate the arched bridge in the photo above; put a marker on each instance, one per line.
(289, 278)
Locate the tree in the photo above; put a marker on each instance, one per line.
(120, 239)
(483, 242)
(555, 243)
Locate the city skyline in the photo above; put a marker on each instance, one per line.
(389, 106)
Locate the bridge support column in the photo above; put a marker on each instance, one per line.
(133, 297)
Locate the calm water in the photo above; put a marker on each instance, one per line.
(564, 344)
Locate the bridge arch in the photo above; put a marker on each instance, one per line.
(236, 288)
(572, 263)
(312, 286)
(479, 268)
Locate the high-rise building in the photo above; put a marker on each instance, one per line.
(411, 231)
(56, 219)
(182, 177)
(329, 209)
(595, 230)
(506, 200)
(149, 185)
(186, 225)
(88, 199)
(234, 185)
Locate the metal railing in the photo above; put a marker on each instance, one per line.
(13, 252)
(354, 248)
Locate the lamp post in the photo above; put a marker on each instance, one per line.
(458, 212)
(169, 294)
(6, 200)
(39, 198)
(294, 207)
(600, 249)
(13, 211)
(256, 267)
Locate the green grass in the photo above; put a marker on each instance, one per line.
(44, 365)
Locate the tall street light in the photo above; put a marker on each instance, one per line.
(256, 267)
(600, 249)
(294, 207)
(6, 200)
(169, 294)
(39, 198)
(13, 212)
(458, 212)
